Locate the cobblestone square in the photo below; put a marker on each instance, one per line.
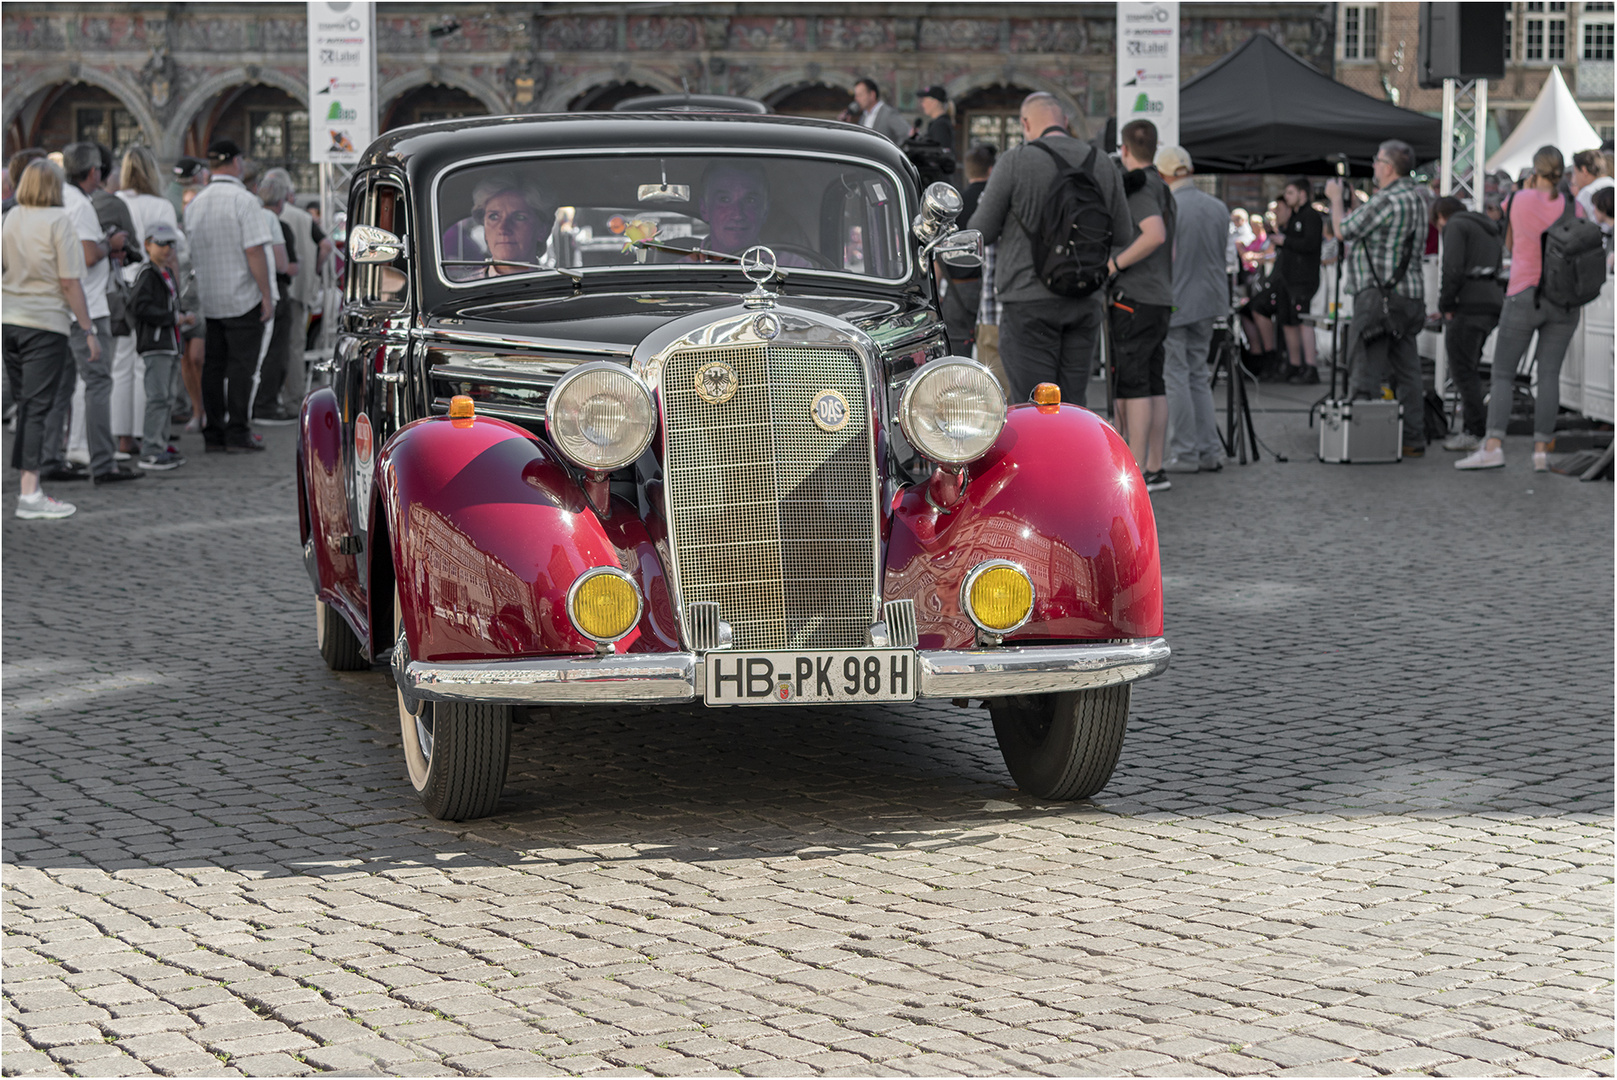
(1363, 825)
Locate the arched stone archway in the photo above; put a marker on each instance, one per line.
(1000, 86)
(23, 101)
(395, 90)
(205, 93)
(560, 98)
(778, 85)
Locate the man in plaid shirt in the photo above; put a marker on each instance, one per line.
(1379, 235)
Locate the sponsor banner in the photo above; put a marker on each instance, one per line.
(342, 80)
(1148, 66)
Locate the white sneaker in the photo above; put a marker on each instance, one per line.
(1541, 461)
(79, 457)
(1483, 459)
(1462, 441)
(40, 505)
(121, 455)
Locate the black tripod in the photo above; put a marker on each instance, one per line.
(1238, 431)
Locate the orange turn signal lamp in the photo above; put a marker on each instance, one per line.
(1047, 396)
(462, 410)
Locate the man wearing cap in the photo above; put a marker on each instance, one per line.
(876, 114)
(227, 228)
(1201, 294)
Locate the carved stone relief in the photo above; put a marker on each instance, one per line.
(960, 35)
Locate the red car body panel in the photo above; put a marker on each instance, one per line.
(1060, 495)
(326, 503)
(489, 531)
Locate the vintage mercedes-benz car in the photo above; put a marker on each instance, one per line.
(658, 408)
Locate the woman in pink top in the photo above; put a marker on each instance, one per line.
(1530, 211)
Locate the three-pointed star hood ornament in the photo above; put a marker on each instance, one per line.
(758, 265)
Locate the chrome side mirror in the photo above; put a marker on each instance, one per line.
(368, 244)
(963, 248)
(940, 205)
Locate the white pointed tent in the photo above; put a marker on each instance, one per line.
(1554, 120)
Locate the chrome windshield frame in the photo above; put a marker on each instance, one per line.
(605, 273)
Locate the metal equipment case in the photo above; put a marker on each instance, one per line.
(1360, 432)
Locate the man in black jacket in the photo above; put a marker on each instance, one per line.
(1470, 298)
(1296, 277)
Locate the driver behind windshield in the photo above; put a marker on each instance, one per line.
(734, 202)
(515, 220)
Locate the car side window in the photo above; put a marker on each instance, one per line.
(866, 233)
(379, 202)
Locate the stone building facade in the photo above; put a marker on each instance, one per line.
(174, 76)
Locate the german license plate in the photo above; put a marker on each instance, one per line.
(810, 678)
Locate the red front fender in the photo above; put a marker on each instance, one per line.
(1060, 495)
(489, 532)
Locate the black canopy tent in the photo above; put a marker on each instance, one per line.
(1262, 109)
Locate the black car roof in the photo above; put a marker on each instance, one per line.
(425, 148)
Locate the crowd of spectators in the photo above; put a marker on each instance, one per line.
(131, 316)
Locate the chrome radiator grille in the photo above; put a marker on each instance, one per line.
(773, 517)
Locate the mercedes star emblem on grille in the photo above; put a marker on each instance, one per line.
(716, 383)
(767, 326)
(829, 411)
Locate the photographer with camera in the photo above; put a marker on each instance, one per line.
(1389, 294)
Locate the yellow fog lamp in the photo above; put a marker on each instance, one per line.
(604, 604)
(997, 596)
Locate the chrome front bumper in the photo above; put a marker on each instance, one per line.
(677, 677)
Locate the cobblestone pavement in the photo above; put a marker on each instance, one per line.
(1363, 826)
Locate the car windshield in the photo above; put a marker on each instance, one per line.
(554, 214)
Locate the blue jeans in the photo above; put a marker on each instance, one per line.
(1517, 323)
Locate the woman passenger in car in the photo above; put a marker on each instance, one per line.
(516, 222)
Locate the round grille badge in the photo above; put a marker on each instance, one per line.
(716, 383)
(829, 411)
(766, 326)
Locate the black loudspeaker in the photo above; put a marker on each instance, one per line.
(1461, 41)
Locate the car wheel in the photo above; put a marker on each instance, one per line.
(338, 645)
(1062, 746)
(456, 753)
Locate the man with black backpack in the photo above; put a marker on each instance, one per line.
(1055, 207)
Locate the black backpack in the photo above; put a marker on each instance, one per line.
(1574, 260)
(1072, 235)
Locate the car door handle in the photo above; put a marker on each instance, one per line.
(326, 367)
(390, 376)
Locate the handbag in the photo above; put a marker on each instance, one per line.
(120, 303)
(1386, 313)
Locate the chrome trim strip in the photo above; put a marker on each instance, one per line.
(671, 151)
(523, 345)
(675, 677)
(596, 571)
(1039, 669)
(976, 572)
(562, 680)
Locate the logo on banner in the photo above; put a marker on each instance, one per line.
(341, 114)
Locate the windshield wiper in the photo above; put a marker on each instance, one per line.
(703, 252)
(568, 272)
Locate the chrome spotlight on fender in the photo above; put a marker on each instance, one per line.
(940, 205)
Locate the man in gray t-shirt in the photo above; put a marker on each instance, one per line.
(1042, 337)
(1142, 301)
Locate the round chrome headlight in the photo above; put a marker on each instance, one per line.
(600, 416)
(952, 410)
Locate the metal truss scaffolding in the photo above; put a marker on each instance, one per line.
(1465, 128)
